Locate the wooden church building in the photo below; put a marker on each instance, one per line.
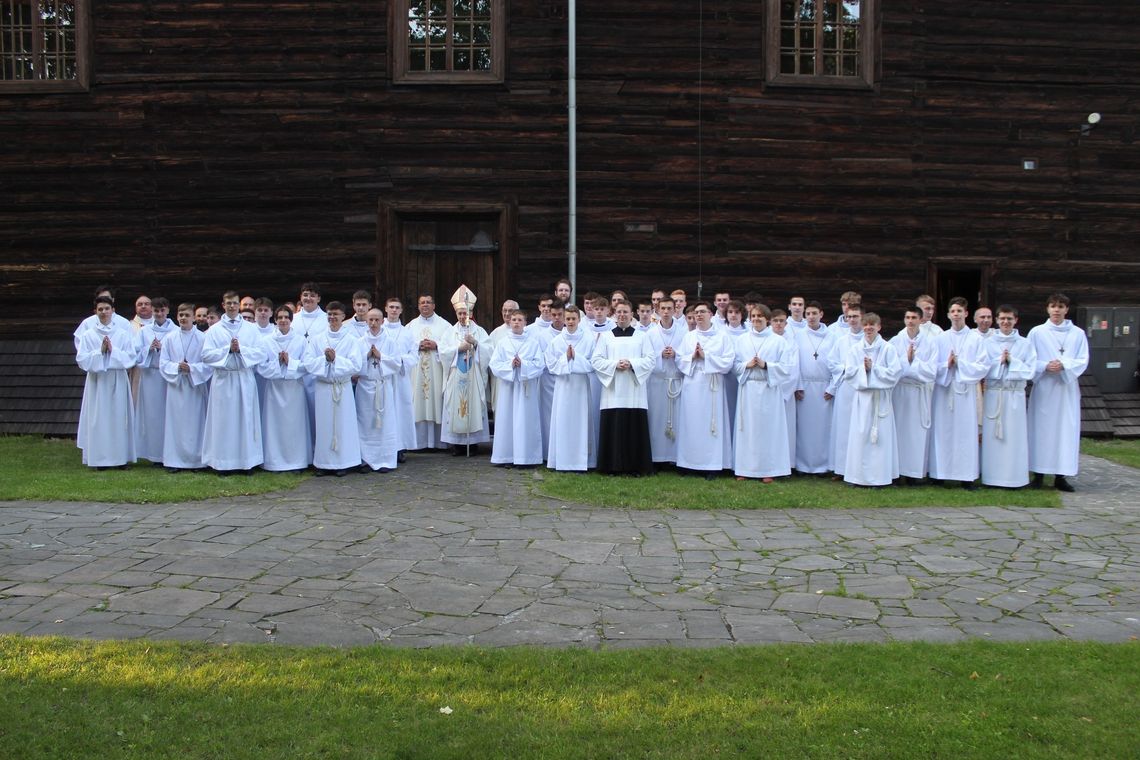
(888, 146)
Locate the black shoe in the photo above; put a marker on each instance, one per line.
(364, 468)
(401, 457)
(456, 450)
(968, 485)
(1038, 481)
(1061, 484)
(340, 473)
(173, 470)
(384, 469)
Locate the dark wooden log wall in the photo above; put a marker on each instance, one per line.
(248, 144)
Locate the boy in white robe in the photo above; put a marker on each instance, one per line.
(428, 329)
(918, 354)
(93, 319)
(508, 308)
(573, 443)
(378, 414)
(150, 401)
(735, 325)
(622, 360)
(872, 369)
(286, 426)
(796, 320)
(764, 363)
(843, 392)
(337, 357)
(1055, 402)
(926, 305)
(1005, 434)
(518, 363)
(361, 305)
(403, 345)
(961, 363)
(814, 399)
(544, 332)
(187, 392)
(310, 321)
(704, 435)
(233, 348)
(664, 389)
(106, 422)
(779, 325)
(465, 352)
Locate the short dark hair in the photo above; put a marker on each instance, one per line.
(764, 310)
(958, 301)
(263, 301)
(159, 303)
(104, 299)
(813, 305)
(1007, 309)
(915, 309)
(105, 289)
(285, 309)
(1058, 298)
(312, 287)
(335, 306)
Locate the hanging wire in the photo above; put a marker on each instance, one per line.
(700, 146)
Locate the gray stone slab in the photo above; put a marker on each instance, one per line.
(162, 601)
(942, 564)
(879, 586)
(842, 607)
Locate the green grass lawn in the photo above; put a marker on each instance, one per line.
(69, 699)
(51, 469)
(668, 490)
(1120, 451)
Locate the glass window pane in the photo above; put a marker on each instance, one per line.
(830, 65)
(438, 60)
(788, 37)
(851, 39)
(417, 61)
(850, 65)
(461, 60)
(437, 32)
(482, 8)
(787, 64)
(483, 59)
(462, 8)
(807, 10)
(482, 34)
(417, 32)
(461, 34)
(807, 64)
(438, 8)
(829, 11)
(851, 11)
(787, 10)
(807, 38)
(417, 9)
(830, 37)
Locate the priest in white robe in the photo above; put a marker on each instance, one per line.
(664, 391)
(233, 348)
(106, 421)
(962, 363)
(918, 354)
(704, 431)
(872, 369)
(1055, 402)
(843, 392)
(310, 321)
(286, 425)
(573, 443)
(623, 360)
(814, 397)
(465, 353)
(378, 414)
(764, 362)
(337, 356)
(428, 329)
(150, 401)
(1005, 432)
(404, 345)
(187, 392)
(518, 362)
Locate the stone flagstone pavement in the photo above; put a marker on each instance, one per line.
(449, 551)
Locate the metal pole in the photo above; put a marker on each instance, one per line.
(572, 171)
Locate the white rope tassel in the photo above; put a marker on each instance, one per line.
(880, 410)
(925, 390)
(714, 388)
(378, 405)
(672, 393)
(337, 390)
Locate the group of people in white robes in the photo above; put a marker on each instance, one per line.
(691, 386)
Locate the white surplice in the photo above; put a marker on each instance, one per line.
(286, 426)
(378, 412)
(1005, 432)
(954, 411)
(465, 388)
(427, 382)
(664, 390)
(518, 432)
(187, 394)
(233, 436)
(704, 434)
(336, 443)
(911, 398)
(544, 333)
(107, 415)
(1055, 402)
(150, 399)
(406, 350)
(844, 394)
(872, 446)
(573, 443)
(813, 411)
(761, 423)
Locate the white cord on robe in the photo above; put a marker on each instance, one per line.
(671, 395)
(714, 388)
